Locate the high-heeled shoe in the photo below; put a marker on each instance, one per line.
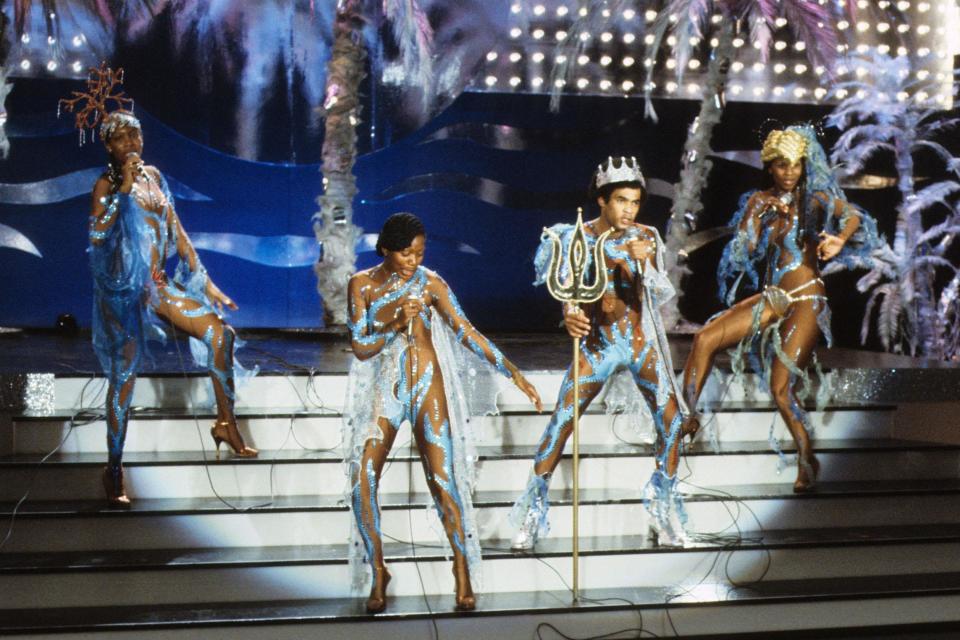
(807, 472)
(465, 599)
(377, 602)
(113, 486)
(690, 427)
(226, 431)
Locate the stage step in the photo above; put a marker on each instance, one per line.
(868, 608)
(176, 429)
(172, 576)
(311, 520)
(501, 468)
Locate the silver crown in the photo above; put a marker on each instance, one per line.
(117, 120)
(628, 171)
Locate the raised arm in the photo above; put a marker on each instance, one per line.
(366, 338)
(104, 210)
(848, 222)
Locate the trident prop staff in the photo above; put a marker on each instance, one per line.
(574, 290)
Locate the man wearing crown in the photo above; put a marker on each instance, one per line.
(621, 333)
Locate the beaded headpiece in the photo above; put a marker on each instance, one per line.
(92, 107)
(786, 144)
(628, 171)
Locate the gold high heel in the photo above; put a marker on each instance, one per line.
(377, 602)
(466, 601)
(226, 431)
(113, 486)
(807, 472)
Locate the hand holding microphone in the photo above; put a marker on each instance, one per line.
(132, 167)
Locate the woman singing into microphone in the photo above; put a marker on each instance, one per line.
(134, 228)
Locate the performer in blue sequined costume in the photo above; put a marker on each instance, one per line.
(622, 331)
(419, 360)
(798, 218)
(134, 228)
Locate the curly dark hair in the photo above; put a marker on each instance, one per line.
(398, 232)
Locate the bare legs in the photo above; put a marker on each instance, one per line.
(798, 334)
(431, 429)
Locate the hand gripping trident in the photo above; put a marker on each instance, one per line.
(574, 290)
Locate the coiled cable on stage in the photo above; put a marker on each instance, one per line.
(81, 417)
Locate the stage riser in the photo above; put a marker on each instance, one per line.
(688, 620)
(325, 390)
(251, 480)
(228, 529)
(514, 574)
(159, 435)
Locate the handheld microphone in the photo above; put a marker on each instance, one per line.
(786, 198)
(140, 170)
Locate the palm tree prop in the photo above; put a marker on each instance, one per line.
(886, 113)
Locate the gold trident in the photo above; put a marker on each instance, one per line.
(574, 290)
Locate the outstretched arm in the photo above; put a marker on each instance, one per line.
(830, 245)
(447, 305)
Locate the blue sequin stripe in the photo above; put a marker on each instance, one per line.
(370, 476)
(119, 411)
(111, 209)
(441, 439)
(796, 255)
(467, 331)
(222, 375)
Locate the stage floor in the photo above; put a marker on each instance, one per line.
(328, 353)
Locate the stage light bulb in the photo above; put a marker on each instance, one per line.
(800, 45)
(537, 34)
(923, 74)
(901, 51)
(515, 8)
(490, 80)
(903, 6)
(714, 42)
(758, 91)
(538, 56)
(693, 87)
(76, 66)
(820, 70)
(923, 7)
(903, 28)
(537, 82)
(778, 91)
(561, 59)
(923, 29)
(25, 64)
(52, 65)
(843, 25)
(863, 26)
(515, 32)
(605, 13)
(648, 62)
(515, 81)
(629, 38)
(694, 41)
(582, 60)
(799, 92)
(560, 35)
(584, 36)
(492, 56)
(515, 56)
(779, 67)
(650, 15)
(736, 89)
(77, 41)
(780, 22)
(672, 41)
(671, 87)
(582, 83)
(25, 38)
(819, 92)
(629, 14)
(605, 85)
(800, 68)
(883, 27)
(628, 61)
(738, 42)
(922, 96)
(627, 85)
(539, 10)
(605, 60)
(694, 64)
(606, 36)
(863, 48)
(758, 66)
(584, 12)
(559, 83)
(883, 49)
(562, 10)
(51, 40)
(671, 63)
(649, 39)
(779, 45)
